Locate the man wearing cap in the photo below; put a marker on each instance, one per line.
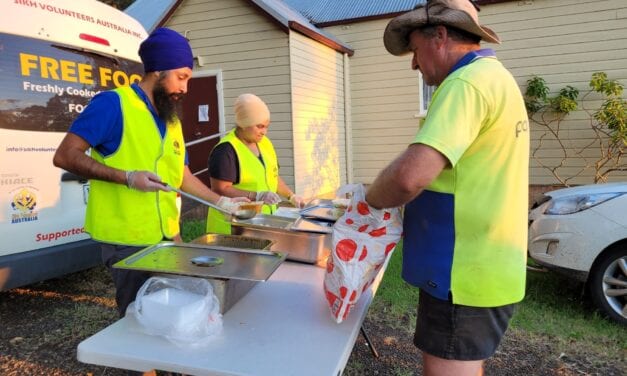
(244, 163)
(136, 143)
(464, 183)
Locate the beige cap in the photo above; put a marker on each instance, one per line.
(460, 14)
(250, 110)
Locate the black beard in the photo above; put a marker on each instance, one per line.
(167, 105)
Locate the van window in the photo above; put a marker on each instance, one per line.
(46, 85)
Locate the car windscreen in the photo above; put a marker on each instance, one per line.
(46, 85)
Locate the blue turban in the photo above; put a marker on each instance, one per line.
(165, 49)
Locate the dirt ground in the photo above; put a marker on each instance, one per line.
(43, 324)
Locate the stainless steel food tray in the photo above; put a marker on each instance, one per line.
(309, 247)
(233, 241)
(169, 257)
(313, 225)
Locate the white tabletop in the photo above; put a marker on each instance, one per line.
(281, 327)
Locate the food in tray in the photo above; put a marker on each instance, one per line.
(255, 205)
(341, 203)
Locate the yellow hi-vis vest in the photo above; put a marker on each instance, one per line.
(253, 176)
(120, 215)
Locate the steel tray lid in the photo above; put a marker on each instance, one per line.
(203, 261)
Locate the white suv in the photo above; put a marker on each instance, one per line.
(583, 231)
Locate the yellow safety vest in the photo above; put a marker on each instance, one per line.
(253, 176)
(120, 215)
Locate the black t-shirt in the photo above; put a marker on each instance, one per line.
(224, 164)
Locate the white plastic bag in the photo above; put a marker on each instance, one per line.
(363, 239)
(182, 309)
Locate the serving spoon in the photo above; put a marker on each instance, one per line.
(239, 214)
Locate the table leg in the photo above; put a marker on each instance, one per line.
(370, 344)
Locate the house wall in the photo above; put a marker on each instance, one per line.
(384, 96)
(317, 80)
(563, 41)
(253, 54)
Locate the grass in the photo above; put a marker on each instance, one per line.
(193, 228)
(555, 306)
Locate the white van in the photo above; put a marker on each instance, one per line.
(55, 55)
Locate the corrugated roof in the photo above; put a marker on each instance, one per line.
(305, 12)
(283, 13)
(324, 11)
(149, 14)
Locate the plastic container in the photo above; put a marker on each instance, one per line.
(172, 309)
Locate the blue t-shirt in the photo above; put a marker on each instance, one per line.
(100, 124)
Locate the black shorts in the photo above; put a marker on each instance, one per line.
(127, 282)
(452, 331)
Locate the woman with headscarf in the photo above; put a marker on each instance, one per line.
(245, 164)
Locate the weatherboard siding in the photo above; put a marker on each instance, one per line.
(384, 97)
(317, 79)
(253, 54)
(564, 42)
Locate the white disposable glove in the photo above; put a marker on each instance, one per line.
(230, 204)
(240, 200)
(297, 200)
(144, 181)
(268, 197)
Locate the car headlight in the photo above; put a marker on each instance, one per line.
(577, 203)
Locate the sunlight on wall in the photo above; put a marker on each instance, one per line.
(316, 144)
(317, 115)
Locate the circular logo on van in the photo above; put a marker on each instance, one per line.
(23, 205)
(24, 201)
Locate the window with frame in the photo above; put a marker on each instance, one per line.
(426, 92)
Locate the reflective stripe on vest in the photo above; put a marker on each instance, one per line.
(253, 176)
(117, 214)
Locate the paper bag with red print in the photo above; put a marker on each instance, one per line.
(363, 239)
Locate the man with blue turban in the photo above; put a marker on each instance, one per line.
(137, 145)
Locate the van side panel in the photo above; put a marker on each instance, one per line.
(45, 86)
(55, 55)
(24, 268)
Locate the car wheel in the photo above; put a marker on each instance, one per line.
(608, 283)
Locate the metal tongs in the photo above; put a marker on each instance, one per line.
(239, 214)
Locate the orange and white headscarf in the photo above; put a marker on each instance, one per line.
(250, 110)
